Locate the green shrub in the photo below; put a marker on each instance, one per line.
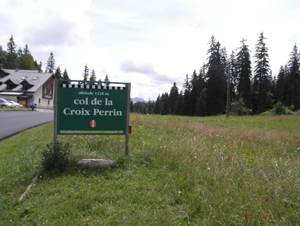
(267, 113)
(56, 157)
(290, 112)
(239, 108)
(297, 112)
(292, 107)
(279, 109)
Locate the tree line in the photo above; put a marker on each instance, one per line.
(21, 58)
(231, 80)
(91, 77)
(17, 58)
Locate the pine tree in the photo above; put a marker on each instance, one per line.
(65, 75)
(157, 106)
(232, 71)
(180, 104)
(286, 86)
(187, 85)
(294, 79)
(19, 53)
(57, 74)
(273, 87)
(280, 86)
(12, 58)
(26, 60)
(85, 73)
(11, 46)
(106, 80)
(201, 106)
(40, 67)
(93, 76)
(194, 92)
(187, 103)
(228, 87)
(216, 80)
(173, 99)
(243, 67)
(262, 95)
(50, 63)
(36, 64)
(198, 85)
(2, 57)
(164, 104)
(26, 50)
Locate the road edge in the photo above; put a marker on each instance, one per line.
(20, 131)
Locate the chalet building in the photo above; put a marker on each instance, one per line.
(27, 87)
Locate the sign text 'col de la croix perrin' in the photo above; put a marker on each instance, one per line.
(97, 108)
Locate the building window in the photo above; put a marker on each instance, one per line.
(48, 89)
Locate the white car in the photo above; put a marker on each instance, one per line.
(5, 103)
(15, 104)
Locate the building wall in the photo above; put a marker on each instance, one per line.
(43, 97)
(42, 102)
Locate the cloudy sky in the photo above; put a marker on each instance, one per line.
(148, 43)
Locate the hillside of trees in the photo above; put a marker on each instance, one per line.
(17, 58)
(234, 81)
(21, 58)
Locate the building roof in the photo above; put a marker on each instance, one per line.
(11, 93)
(19, 77)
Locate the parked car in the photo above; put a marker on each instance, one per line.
(5, 103)
(15, 104)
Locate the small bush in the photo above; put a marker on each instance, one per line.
(292, 107)
(267, 113)
(239, 108)
(56, 157)
(279, 109)
(297, 112)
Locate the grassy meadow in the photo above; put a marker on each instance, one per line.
(180, 171)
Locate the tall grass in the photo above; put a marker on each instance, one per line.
(180, 171)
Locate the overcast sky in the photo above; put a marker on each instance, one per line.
(148, 43)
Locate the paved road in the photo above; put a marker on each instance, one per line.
(14, 122)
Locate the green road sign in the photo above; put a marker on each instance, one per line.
(86, 108)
